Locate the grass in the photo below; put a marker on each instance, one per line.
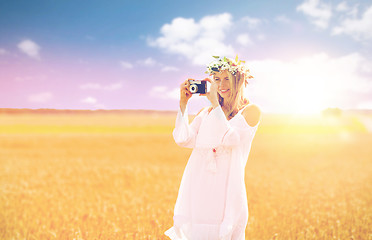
(117, 176)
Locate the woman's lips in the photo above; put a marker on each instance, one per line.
(224, 91)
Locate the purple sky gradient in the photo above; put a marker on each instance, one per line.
(305, 56)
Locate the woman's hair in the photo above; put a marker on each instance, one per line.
(237, 100)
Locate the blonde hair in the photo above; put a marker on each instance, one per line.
(237, 100)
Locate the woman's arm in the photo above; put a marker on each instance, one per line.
(184, 134)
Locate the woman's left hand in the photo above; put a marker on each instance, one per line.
(212, 95)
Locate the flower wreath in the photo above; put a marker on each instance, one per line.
(220, 64)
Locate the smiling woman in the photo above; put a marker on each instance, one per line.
(212, 201)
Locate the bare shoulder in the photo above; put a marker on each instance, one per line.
(252, 114)
(201, 110)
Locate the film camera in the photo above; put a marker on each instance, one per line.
(198, 86)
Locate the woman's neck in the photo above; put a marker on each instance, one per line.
(226, 112)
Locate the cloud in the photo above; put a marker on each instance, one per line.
(252, 23)
(169, 69)
(197, 41)
(40, 97)
(97, 86)
(348, 22)
(244, 40)
(148, 62)
(164, 92)
(359, 29)
(283, 19)
(30, 48)
(92, 102)
(319, 13)
(89, 100)
(126, 65)
(342, 7)
(310, 83)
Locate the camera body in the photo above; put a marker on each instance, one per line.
(198, 86)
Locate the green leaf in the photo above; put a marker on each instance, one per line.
(217, 57)
(236, 58)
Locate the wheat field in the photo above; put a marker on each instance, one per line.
(116, 176)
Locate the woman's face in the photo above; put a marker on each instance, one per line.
(224, 84)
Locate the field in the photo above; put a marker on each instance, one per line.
(116, 176)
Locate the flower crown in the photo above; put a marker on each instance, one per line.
(220, 64)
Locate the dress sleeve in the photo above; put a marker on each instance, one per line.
(184, 134)
(221, 132)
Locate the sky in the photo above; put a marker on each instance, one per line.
(305, 55)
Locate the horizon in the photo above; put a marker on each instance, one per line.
(321, 112)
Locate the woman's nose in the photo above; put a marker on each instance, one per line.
(222, 84)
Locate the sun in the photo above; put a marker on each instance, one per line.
(307, 99)
(304, 96)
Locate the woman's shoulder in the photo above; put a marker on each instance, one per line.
(251, 114)
(205, 109)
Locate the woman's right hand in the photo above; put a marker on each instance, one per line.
(185, 94)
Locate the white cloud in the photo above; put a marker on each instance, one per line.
(197, 41)
(30, 48)
(320, 13)
(126, 65)
(311, 83)
(348, 20)
(92, 102)
(40, 97)
(89, 100)
(282, 19)
(169, 69)
(164, 92)
(360, 29)
(244, 40)
(342, 7)
(149, 62)
(97, 86)
(252, 23)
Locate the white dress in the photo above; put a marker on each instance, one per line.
(212, 200)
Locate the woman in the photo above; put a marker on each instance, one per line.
(212, 202)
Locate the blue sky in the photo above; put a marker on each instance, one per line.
(305, 55)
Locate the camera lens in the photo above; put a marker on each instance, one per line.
(193, 88)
